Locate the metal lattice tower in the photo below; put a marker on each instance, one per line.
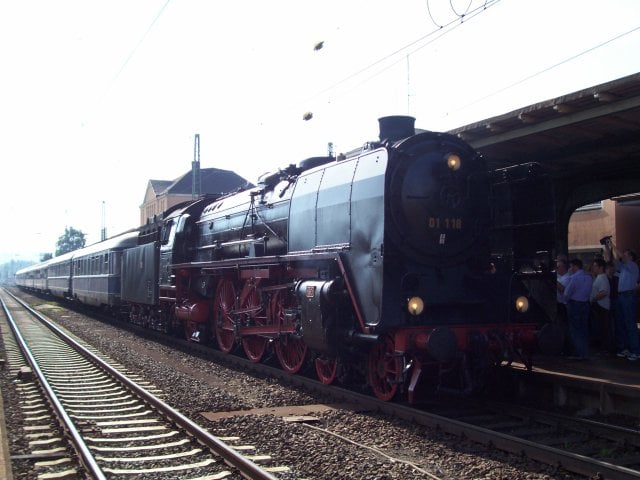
(103, 230)
(196, 184)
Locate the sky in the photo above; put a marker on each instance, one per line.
(99, 97)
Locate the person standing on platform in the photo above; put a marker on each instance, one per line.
(562, 279)
(627, 297)
(577, 294)
(614, 311)
(603, 331)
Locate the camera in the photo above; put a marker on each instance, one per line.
(606, 240)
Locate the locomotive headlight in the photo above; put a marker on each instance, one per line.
(453, 161)
(522, 304)
(415, 305)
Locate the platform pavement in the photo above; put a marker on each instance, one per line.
(604, 384)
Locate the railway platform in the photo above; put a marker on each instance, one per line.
(601, 384)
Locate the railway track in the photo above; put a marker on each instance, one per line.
(577, 445)
(581, 446)
(585, 447)
(591, 448)
(84, 417)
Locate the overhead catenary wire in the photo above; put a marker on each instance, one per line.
(135, 48)
(126, 61)
(439, 32)
(453, 9)
(547, 69)
(460, 15)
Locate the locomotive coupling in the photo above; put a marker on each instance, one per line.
(441, 344)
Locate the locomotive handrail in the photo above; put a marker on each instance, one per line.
(262, 261)
(234, 243)
(530, 224)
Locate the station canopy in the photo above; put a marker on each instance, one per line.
(587, 134)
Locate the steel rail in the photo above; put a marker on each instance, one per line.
(545, 454)
(80, 446)
(246, 467)
(548, 455)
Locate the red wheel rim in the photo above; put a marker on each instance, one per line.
(291, 352)
(290, 348)
(385, 370)
(254, 345)
(222, 315)
(326, 369)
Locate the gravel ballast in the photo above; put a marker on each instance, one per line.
(340, 444)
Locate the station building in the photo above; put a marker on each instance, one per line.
(617, 216)
(161, 195)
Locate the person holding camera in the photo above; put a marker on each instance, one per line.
(627, 269)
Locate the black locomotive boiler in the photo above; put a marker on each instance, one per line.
(379, 262)
(405, 263)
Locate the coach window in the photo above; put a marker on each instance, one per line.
(105, 263)
(117, 256)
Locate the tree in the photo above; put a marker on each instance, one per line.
(71, 240)
(46, 256)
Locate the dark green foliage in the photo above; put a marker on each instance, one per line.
(69, 241)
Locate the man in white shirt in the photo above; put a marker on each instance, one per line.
(602, 332)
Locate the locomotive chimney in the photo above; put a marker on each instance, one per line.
(396, 127)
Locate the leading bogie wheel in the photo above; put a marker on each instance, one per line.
(326, 369)
(385, 370)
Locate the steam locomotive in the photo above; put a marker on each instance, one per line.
(405, 264)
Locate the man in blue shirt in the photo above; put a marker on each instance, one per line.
(627, 297)
(562, 279)
(576, 295)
